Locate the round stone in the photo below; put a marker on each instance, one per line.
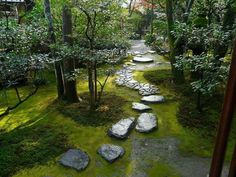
(111, 152)
(75, 158)
(146, 122)
(121, 129)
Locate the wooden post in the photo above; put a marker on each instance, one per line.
(225, 121)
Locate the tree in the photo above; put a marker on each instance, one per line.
(211, 75)
(102, 25)
(70, 92)
(52, 37)
(177, 73)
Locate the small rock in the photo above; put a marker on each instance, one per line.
(140, 107)
(136, 53)
(75, 158)
(153, 99)
(111, 152)
(146, 122)
(121, 129)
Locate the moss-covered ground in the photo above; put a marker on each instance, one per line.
(33, 136)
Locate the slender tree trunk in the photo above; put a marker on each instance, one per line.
(18, 94)
(189, 4)
(52, 37)
(95, 82)
(70, 91)
(152, 15)
(178, 74)
(91, 85)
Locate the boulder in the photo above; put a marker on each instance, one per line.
(142, 59)
(153, 99)
(140, 107)
(146, 122)
(75, 158)
(111, 152)
(121, 129)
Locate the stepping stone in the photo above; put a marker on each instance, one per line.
(142, 60)
(140, 107)
(139, 55)
(75, 158)
(151, 51)
(111, 152)
(146, 122)
(121, 129)
(153, 99)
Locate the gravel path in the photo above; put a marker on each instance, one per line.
(147, 151)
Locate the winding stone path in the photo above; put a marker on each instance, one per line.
(125, 78)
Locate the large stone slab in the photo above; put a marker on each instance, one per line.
(111, 152)
(146, 122)
(153, 99)
(142, 59)
(121, 129)
(140, 107)
(75, 158)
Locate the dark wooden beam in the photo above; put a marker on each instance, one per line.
(225, 121)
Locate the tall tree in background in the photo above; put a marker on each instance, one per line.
(70, 92)
(177, 73)
(52, 38)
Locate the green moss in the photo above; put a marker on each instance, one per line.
(162, 170)
(40, 118)
(158, 76)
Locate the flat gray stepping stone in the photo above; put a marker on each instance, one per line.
(140, 107)
(121, 129)
(75, 158)
(146, 122)
(111, 152)
(142, 59)
(153, 99)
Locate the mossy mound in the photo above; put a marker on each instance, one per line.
(108, 112)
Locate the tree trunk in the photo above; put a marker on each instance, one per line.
(178, 74)
(70, 92)
(52, 38)
(91, 85)
(152, 15)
